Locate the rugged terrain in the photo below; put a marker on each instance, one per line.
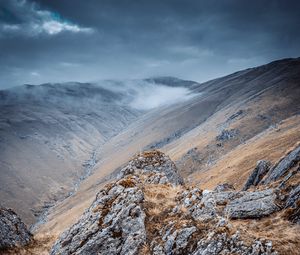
(50, 135)
(260, 103)
(215, 136)
(148, 209)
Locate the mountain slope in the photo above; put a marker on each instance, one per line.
(200, 132)
(50, 135)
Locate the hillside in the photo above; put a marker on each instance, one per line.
(252, 102)
(215, 133)
(148, 209)
(50, 136)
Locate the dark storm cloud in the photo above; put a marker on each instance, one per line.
(87, 40)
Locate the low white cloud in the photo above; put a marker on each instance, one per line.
(153, 96)
(143, 95)
(35, 21)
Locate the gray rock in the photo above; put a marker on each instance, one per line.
(252, 205)
(261, 169)
(293, 197)
(287, 177)
(153, 162)
(283, 166)
(13, 232)
(293, 203)
(225, 244)
(121, 219)
(224, 187)
(114, 224)
(227, 134)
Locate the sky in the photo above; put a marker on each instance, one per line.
(74, 40)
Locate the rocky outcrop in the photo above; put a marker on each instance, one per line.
(153, 162)
(292, 205)
(225, 243)
(147, 210)
(283, 166)
(114, 224)
(227, 135)
(13, 232)
(253, 205)
(261, 169)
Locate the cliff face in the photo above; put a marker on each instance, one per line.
(149, 210)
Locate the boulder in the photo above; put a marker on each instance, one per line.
(224, 187)
(283, 166)
(13, 232)
(252, 205)
(261, 169)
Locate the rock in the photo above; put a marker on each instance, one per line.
(224, 187)
(220, 198)
(287, 177)
(261, 169)
(139, 213)
(235, 115)
(13, 232)
(227, 134)
(153, 162)
(293, 205)
(225, 244)
(114, 224)
(293, 197)
(283, 166)
(252, 205)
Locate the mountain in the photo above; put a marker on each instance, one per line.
(215, 132)
(258, 107)
(50, 135)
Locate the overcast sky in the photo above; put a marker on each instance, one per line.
(75, 40)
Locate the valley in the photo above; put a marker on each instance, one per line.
(62, 143)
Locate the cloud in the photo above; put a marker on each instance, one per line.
(30, 20)
(153, 96)
(143, 95)
(111, 39)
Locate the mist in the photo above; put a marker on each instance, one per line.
(144, 95)
(140, 95)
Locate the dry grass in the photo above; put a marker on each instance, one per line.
(283, 234)
(235, 166)
(41, 245)
(127, 183)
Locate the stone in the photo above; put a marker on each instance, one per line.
(261, 169)
(283, 166)
(114, 224)
(224, 187)
(252, 205)
(294, 197)
(227, 134)
(153, 162)
(13, 232)
(128, 216)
